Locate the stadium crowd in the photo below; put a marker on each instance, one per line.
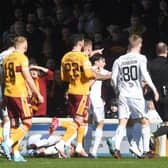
(48, 25)
(47, 32)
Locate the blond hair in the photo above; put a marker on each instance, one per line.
(134, 40)
(19, 40)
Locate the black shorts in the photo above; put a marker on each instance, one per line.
(162, 108)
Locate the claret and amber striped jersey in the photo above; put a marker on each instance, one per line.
(13, 65)
(76, 70)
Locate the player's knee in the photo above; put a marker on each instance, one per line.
(28, 125)
(144, 121)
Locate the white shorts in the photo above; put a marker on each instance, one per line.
(97, 108)
(3, 113)
(97, 113)
(131, 107)
(1, 93)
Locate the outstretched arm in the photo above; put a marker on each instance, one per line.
(98, 51)
(39, 68)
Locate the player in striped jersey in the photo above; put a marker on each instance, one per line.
(17, 78)
(3, 110)
(76, 70)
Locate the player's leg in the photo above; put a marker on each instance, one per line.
(114, 142)
(163, 112)
(6, 124)
(136, 143)
(18, 107)
(141, 109)
(136, 132)
(1, 132)
(74, 101)
(98, 115)
(82, 130)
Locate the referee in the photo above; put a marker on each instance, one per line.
(159, 73)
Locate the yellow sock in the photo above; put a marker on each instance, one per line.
(1, 136)
(19, 133)
(80, 134)
(12, 131)
(65, 124)
(71, 129)
(15, 147)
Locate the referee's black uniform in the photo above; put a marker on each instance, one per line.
(158, 69)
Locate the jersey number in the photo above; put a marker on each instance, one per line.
(72, 69)
(130, 73)
(10, 72)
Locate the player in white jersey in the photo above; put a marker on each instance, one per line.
(128, 71)
(43, 144)
(3, 111)
(97, 103)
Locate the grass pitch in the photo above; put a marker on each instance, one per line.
(103, 162)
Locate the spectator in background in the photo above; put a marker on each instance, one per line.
(89, 22)
(98, 40)
(20, 28)
(18, 15)
(62, 46)
(149, 14)
(32, 18)
(149, 17)
(56, 104)
(36, 40)
(7, 35)
(114, 45)
(136, 26)
(163, 21)
(48, 45)
(51, 89)
(40, 76)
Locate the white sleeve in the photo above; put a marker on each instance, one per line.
(2, 54)
(145, 73)
(115, 71)
(105, 72)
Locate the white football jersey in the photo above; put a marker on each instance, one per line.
(3, 54)
(41, 140)
(96, 89)
(127, 73)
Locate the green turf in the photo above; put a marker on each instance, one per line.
(86, 163)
